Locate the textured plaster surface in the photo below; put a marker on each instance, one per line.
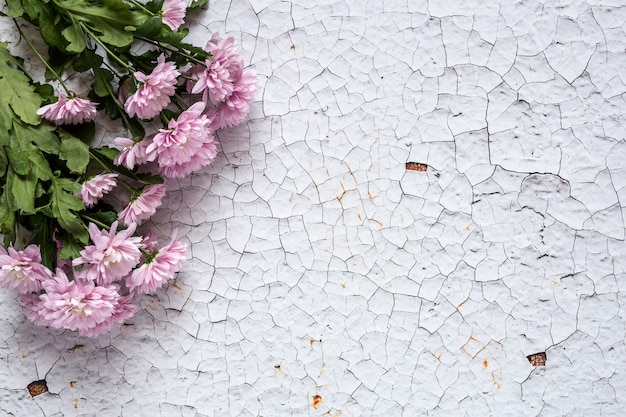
(326, 279)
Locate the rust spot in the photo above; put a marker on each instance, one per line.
(72, 384)
(485, 363)
(36, 388)
(379, 224)
(292, 47)
(416, 166)
(173, 284)
(77, 347)
(317, 401)
(75, 404)
(435, 356)
(277, 367)
(313, 341)
(537, 359)
(467, 228)
(359, 217)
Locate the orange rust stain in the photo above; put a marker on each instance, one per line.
(317, 401)
(173, 284)
(467, 228)
(462, 302)
(485, 363)
(379, 223)
(277, 367)
(72, 384)
(359, 216)
(313, 341)
(292, 47)
(435, 356)
(416, 166)
(343, 285)
(75, 404)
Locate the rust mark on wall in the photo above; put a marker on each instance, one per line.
(36, 388)
(537, 359)
(317, 401)
(416, 166)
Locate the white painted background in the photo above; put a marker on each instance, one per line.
(321, 266)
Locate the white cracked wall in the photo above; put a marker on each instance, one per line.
(327, 279)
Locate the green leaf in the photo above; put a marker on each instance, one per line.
(196, 4)
(15, 8)
(76, 37)
(71, 248)
(150, 28)
(43, 136)
(107, 18)
(74, 151)
(18, 158)
(18, 95)
(65, 204)
(44, 229)
(105, 156)
(7, 218)
(22, 188)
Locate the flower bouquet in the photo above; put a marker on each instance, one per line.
(70, 249)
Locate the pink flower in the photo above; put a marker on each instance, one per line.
(76, 305)
(22, 270)
(158, 268)
(144, 205)
(188, 143)
(154, 93)
(216, 81)
(133, 153)
(124, 310)
(96, 187)
(33, 307)
(112, 256)
(236, 106)
(173, 13)
(74, 110)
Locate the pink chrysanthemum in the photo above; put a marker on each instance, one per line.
(33, 308)
(158, 268)
(236, 106)
(22, 271)
(124, 310)
(76, 305)
(112, 256)
(188, 143)
(133, 153)
(216, 81)
(74, 110)
(96, 187)
(173, 13)
(144, 205)
(154, 93)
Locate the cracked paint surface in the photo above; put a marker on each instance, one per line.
(326, 278)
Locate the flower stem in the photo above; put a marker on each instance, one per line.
(95, 221)
(43, 60)
(107, 50)
(140, 6)
(176, 51)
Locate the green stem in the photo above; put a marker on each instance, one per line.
(43, 60)
(103, 46)
(140, 6)
(175, 51)
(95, 221)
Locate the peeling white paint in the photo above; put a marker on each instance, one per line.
(323, 267)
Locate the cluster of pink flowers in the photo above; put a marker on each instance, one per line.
(113, 270)
(223, 90)
(98, 287)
